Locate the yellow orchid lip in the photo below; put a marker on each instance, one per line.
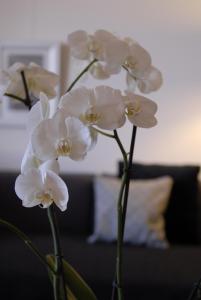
(91, 118)
(133, 109)
(63, 147)
(130, 63)
(93, 46)
(44, 197)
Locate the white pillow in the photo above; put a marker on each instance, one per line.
(147, 202)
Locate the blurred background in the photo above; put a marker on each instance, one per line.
(169, 30)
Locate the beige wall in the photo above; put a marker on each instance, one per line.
(170, 30)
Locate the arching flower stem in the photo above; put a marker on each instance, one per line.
(130, 160)
(104, 133)
(15, 97)
(80, 75)
(27, 99)
(127, 70)
(59, 276)
(118, 274)
(121, 210)
(27, 242)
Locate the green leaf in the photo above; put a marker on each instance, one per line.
(69, 292)
(76, 286)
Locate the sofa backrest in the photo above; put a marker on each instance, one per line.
(77, 219)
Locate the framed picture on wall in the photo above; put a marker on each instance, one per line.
(47, 55)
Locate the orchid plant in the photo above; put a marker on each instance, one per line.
(72, 131)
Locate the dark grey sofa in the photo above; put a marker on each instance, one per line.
(148, 273)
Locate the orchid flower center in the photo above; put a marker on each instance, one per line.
(45, 197)
(91, 117)
(133, 109)
(93, 46)
(130, 63)
(63, 147)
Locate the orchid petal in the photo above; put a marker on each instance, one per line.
(29, 160)
(131, 83)
(38, 112)
(150, 81)
(138, 60)
(41, 80)
(94, 137)
(110, 107)
(26, 185)
(78, 44)
(144, 121)
(142, 110)
(106, 95)
(112, 117)
(76, 102)
(58, 188)
(52, 165)
(115, 55)
(45, 106)
(79, 135)
(43, 140)
(99, 71)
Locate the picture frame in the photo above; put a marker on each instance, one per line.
(47, 55)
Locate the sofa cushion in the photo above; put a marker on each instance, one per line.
(147, 202)
(181, 214)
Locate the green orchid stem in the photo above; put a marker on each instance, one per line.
(27, 242)
(122, 209)
(80, 75)
(118, 273)
(15, 97)
(130, 74)
(59, 277)
(120, 241)
(124, 154)
(128, 169)
(104, 133)
(27, 99)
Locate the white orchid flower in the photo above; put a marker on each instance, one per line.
(138, 59)
(149, 81)
(38, 80)
(140, 110)
(61, 136)
(103, 46)
(39, 187)
(141, 73)
(102, 106)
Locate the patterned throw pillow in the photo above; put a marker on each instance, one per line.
(147, 202)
